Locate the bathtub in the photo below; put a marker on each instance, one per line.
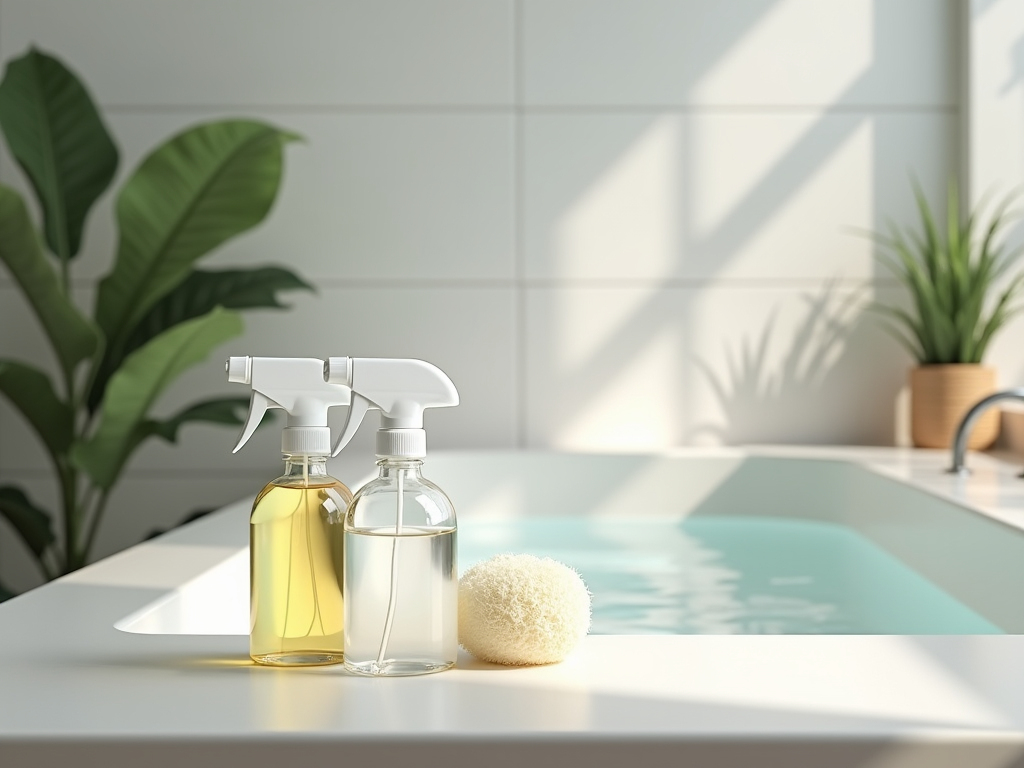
(956, 561)
(143, 655)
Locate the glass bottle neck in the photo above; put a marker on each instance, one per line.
(392, 468)
(301, 465)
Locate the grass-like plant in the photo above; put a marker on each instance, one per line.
(954, 276)
(154, 316)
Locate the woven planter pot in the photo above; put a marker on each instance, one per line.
(940, 395)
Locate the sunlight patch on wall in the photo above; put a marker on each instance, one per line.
(820, 69)
(587, 324)
(769, 205)
(637, 404)
(631, 212)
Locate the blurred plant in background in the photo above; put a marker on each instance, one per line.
(154, 316)
(953, 276)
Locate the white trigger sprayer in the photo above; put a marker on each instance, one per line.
(400, 389)
(425, 637)
(297, 386)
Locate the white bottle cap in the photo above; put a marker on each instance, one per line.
(401, 443)
(311, 441)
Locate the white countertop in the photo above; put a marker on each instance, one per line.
(74, 688)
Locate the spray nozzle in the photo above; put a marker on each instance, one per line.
(296, 385)
(400, 389)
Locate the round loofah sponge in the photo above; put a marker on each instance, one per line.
(521, 609)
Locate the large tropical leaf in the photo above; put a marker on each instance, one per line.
(32, 393)
(31, 523)
(73, 337)
(224, 410)
(58, 138)
(197, 295)
(230, 411)
(190, 195)
(137, 384)
(203, 290)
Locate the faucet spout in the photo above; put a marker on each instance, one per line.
(964, 430)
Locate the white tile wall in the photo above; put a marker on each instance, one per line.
(275, 53)
(766, 53)
(994, 156)
(712, 195)
(636, 367)
(468, 331)
(995, 93)
(594, 215)
(396, 197)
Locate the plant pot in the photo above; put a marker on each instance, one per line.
(940, 396)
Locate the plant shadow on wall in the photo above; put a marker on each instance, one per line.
(761, 400)
(155, 315)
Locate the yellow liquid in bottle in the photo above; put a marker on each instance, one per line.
(296, 609)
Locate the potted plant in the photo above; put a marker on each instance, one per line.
(961, 295)
(154, 316)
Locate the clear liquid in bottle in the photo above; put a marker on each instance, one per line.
(423, 636)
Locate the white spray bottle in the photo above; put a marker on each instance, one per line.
(401, 578)
(295, 531)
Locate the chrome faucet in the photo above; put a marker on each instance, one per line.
(964, 430)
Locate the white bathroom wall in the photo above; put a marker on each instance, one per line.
(615, 224)
(995, 99)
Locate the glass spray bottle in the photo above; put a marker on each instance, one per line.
(296, 527)
(401, 578)
(400, 567)
(296, 566)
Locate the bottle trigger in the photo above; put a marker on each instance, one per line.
(357, 410)
(258, 405)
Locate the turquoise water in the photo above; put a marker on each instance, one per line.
(732, 575)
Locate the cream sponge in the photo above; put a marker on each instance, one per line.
(521, 609)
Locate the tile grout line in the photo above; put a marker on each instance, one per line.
(547, 109)
(744, 109)
(518, 224)
(517, 283)
(160, 474)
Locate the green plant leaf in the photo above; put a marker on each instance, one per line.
(930, 254)
(905, 329)
(230, 288)
(999, 259)
(31, 392)
(31, 522)
(58, 138)
(137, 384)
(189, 196)
(951, 275)
(1001, 314)
(904, 340)
(225, 410)
(72, 335)
(198, 294)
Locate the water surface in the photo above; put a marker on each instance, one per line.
(731, 575)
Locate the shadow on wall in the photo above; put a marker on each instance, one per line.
(791, 401)
(672, 207)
